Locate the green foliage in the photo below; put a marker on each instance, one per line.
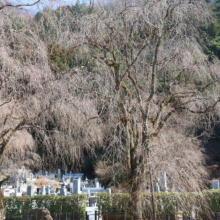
(215, 46)
(216, 9)
(212, 48)
(16, 207)
(60, 58)
(166, 203)
(114, 203)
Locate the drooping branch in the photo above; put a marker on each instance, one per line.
(17, 6)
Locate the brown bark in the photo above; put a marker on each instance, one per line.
(139, 104)
(152, 195)
(136, 192)
(1, 198)
(1, 206)
(135, 180)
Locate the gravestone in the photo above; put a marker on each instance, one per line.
(63, 181)
(108, 190)
(215, 184)
(92, 201)
(16, 193)
(59, 174)
(30, 190)
(52, 191)
(22, 171)
(71, 188)
(156, 187)
(63, 190)
(76, 186)
(43, 191)
(17, 184)
(48, 190)
(88, 194)
(97, 185)
(96, 180)
(6, 193)
(163, 182)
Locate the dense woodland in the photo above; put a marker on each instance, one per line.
(120, 90)
(62, 137)
(74, 80)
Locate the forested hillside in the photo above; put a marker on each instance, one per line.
(212, 47)
(78, 83)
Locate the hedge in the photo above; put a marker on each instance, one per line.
(166, 203)
(19, 206)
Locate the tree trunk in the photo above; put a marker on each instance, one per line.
(136, 189)
(1, 182)
(1, 206)
(1, 198)
(152, 195)
(136, 200)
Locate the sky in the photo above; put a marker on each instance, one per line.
(44, 3)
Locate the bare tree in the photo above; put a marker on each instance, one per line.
(150, 70)
(26, 80)
(140, 70)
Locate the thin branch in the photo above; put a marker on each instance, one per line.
(154, 69)
(17, 6)
(5, 103)
(133, 62)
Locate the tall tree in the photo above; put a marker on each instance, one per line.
(149, 70)
(36, 100)
(25, 77)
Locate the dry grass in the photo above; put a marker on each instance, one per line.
(45, 181)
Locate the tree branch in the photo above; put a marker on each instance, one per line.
(17, 6)
(154, 69)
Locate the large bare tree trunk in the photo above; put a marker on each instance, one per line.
(1, 206)
(6, 136)
(136, 192)
(1, 196)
